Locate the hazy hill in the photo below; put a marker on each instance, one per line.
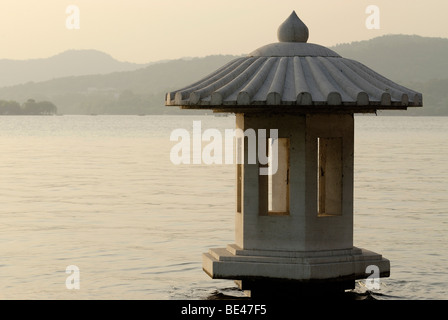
(68, 63)
(417, 62)
(420, 63)
(142, 90)
(402, 58)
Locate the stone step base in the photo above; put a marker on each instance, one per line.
(333, 265)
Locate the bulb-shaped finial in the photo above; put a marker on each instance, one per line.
(292, 30)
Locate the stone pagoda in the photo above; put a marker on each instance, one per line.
(294, 228)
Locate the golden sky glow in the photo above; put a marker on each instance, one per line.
(150, 30)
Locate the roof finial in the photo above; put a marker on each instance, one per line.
(292, 30)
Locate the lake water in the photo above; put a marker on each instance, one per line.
(100, 193)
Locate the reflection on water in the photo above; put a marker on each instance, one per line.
(101, 193)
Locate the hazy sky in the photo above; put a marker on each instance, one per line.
(150, 30)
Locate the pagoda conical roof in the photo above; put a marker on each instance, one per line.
(294, 75)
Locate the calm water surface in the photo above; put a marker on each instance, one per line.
(101, 193)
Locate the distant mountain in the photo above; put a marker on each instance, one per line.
(142, 90)
(402, 58)
(68, 63)
(420, 63)
(416, 62)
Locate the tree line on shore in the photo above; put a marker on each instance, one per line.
(30, 107)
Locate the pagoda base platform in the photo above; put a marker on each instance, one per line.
(265, 273)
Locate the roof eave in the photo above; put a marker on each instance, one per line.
(293, 108)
